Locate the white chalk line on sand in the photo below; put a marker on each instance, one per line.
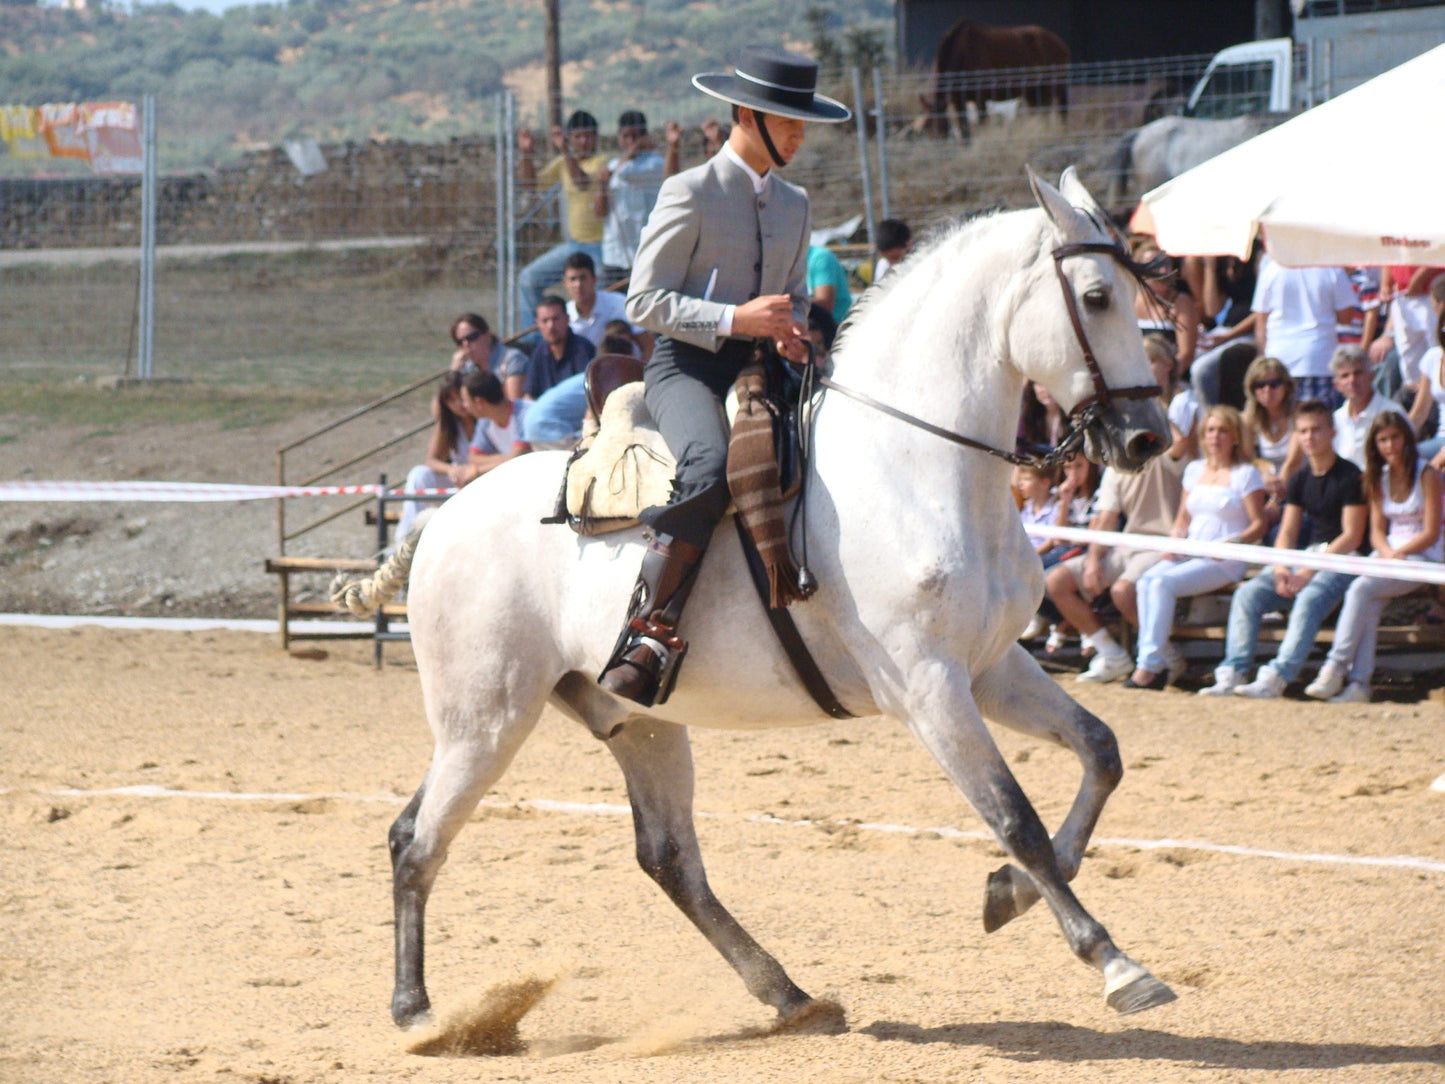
(602, 809)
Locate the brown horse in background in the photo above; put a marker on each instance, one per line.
(970, 50)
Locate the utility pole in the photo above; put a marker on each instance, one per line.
(554, 64)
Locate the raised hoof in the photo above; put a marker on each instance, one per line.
(1145, 992)
(411, 1009)
(1000, 899)
(819, 1016)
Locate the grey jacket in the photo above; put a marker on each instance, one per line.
(708, 227)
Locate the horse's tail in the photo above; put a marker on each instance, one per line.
(364, 595)
(1118, 165)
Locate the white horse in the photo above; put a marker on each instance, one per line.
(927, 579)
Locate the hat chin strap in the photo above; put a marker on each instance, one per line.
(761, 118)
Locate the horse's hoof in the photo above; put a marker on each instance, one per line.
(411, 1008)
(820, 1016)
(1001, 899)
(1145, 992)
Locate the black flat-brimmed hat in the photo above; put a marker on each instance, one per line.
(774, 81)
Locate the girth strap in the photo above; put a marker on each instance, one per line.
(804, 665)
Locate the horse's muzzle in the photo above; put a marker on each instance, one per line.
(1129, 433)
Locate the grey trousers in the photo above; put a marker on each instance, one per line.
(685, 387)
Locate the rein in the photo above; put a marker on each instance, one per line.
(1086, 412)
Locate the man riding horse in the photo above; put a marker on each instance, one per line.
(721, 267)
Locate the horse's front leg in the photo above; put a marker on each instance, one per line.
(1018, 694)
(656, 761)
(943, 714)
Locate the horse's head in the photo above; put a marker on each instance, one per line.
(1074, 330)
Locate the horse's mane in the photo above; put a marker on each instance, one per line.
(911, 284)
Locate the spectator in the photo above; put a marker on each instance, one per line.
(1269, 413)
(619, 334)
(895, 240)
(560, 354)
(589, 312)
(1404, 498)
(1430, 391)
(821, 332)
(1299, 309)
(1183, 408)
(1226, 295)
(1042, 422)
(575, 166)
(1167, 309)
(478, 348)
(1223, 502)
(447, 454)
(1365, 327)
(1411, 322)
(498, 433)
(1324, 510)
(714, 135)
(626, 190)
(1141, 503)
(1355, 382)
(828, 282)
(555, 420)
(1033, 487)
(1077, 500)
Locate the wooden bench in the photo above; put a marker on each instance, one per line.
(288, 608)
(1273, 630)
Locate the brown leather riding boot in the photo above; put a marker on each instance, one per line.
(643, 666)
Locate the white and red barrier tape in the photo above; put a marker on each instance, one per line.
(178, 491)
(1416, 571)
(1388, 568)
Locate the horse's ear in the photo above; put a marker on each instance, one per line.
(1072, 223)
(1074, 191)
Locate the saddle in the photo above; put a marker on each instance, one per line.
(624, 465)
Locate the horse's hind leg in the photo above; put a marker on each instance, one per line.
(1018, 694)
(946, 720)
(460, 773)
(656, 761)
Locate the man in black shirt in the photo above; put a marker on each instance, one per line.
(1324, 510)
(560, 354)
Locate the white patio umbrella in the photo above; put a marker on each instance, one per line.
(1359, 180)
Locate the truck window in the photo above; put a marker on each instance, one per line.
(1235, 89)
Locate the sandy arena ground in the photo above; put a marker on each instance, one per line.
(206, 938)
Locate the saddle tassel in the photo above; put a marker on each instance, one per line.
(756, 487)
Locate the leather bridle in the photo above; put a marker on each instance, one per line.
(1087, 411)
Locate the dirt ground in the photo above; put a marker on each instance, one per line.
(242, 930)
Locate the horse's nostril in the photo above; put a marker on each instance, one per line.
(1144, 445)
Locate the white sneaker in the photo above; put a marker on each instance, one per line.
(1107, 667)
(1266, 685)
(1226, 681)
(1174, 659)
(1356, 692)
(1328, 683)
(1036, 627)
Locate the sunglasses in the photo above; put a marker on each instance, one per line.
(473, 337)
(1272, 382)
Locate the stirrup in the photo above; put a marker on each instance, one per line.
(644, 666)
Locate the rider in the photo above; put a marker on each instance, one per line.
(710, 287)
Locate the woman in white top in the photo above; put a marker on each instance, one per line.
(1269, 413)
(1431, 389)
(1403, 493)
(1223, 502)
(447, 453)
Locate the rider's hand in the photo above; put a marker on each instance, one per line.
(767, 317)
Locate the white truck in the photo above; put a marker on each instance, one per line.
(1337, 45)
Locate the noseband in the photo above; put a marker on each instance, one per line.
(1087, 411)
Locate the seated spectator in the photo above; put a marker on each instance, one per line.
(1269, 413)
(1404, 498)
(1355, 383)
(447, 453)
(478, 348)
(895, 240)
(1430, 391)
(560, 354)
(1324, 511)
(1075, 498)
(1183, 410)
(1038, 504)
(589, 312)
(1223, 502)
(1299, 309)
(619, 340)
(575, 167)
(828, 282)
(555, 420)
(1042, 422)
(1168, 309)
(500, 421)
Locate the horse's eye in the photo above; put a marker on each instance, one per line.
(1096, 299)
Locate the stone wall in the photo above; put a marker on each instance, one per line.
(374, 189)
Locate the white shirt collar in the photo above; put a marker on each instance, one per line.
(760, 180)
